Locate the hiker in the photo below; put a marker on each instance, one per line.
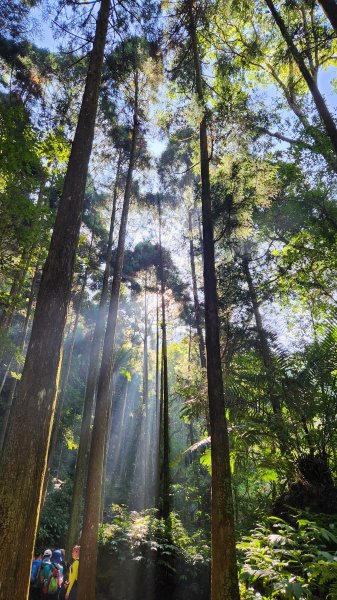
(43, 568)
(35, 585)
(47, 556)
(73, 574)
(65, 567)
(52, 575)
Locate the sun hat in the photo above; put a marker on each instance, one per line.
(57, 556)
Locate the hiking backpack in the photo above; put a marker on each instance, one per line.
(53, 582)
(35, 578)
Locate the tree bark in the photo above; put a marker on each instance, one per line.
(224, 577)
(88, 562)
(197, 311)
(25, 453)
(325, 116)
(146, 402)
(165, 470)
(157, 414)
(120, 456)
(157, 360)
(90, 391)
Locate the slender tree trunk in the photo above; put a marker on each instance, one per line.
(6, 373)
(157, 415)
(146, 401)
(160, 469)
(165, 507)
(330, 9)
(157, 360)
(90, 391)
(88, 562)
(197, 311)
(190, 425)
(224, 575)
(201, 242)
(119, 455)
(106, 449)
(266, 357)
(22, 347)
(25, 453)
(325, 116)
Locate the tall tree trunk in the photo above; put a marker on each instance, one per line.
(165, 506)
(106, 449)
(23, 464)
(157, 359)
(88, 562)
(197, 311)
(22, 347)
(190, 425)
(157, 414)
(120, 456)
(322, 109)
(266, 357)
(330, 9)
(90, 390)
(146, 402)
(224, 575)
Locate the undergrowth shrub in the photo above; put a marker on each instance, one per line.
(162, 550)
(290, 562)
(143, 533)
(55, 518)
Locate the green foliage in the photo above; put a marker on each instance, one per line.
(55, 516)
(143, 536)
(8, 347)
(126, 374)
(192, 387)
(290, 561)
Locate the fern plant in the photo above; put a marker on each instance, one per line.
(290, 561)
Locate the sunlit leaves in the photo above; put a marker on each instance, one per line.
(291, 562)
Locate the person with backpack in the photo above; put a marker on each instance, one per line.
(35, 587)
(52, 576)
(73, 575)
(65, 567)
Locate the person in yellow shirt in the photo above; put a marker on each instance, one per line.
(73, 574)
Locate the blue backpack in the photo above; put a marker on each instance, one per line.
(35, 573)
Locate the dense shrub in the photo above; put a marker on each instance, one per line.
(142, 556)
(55, 518)
(290, 561)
